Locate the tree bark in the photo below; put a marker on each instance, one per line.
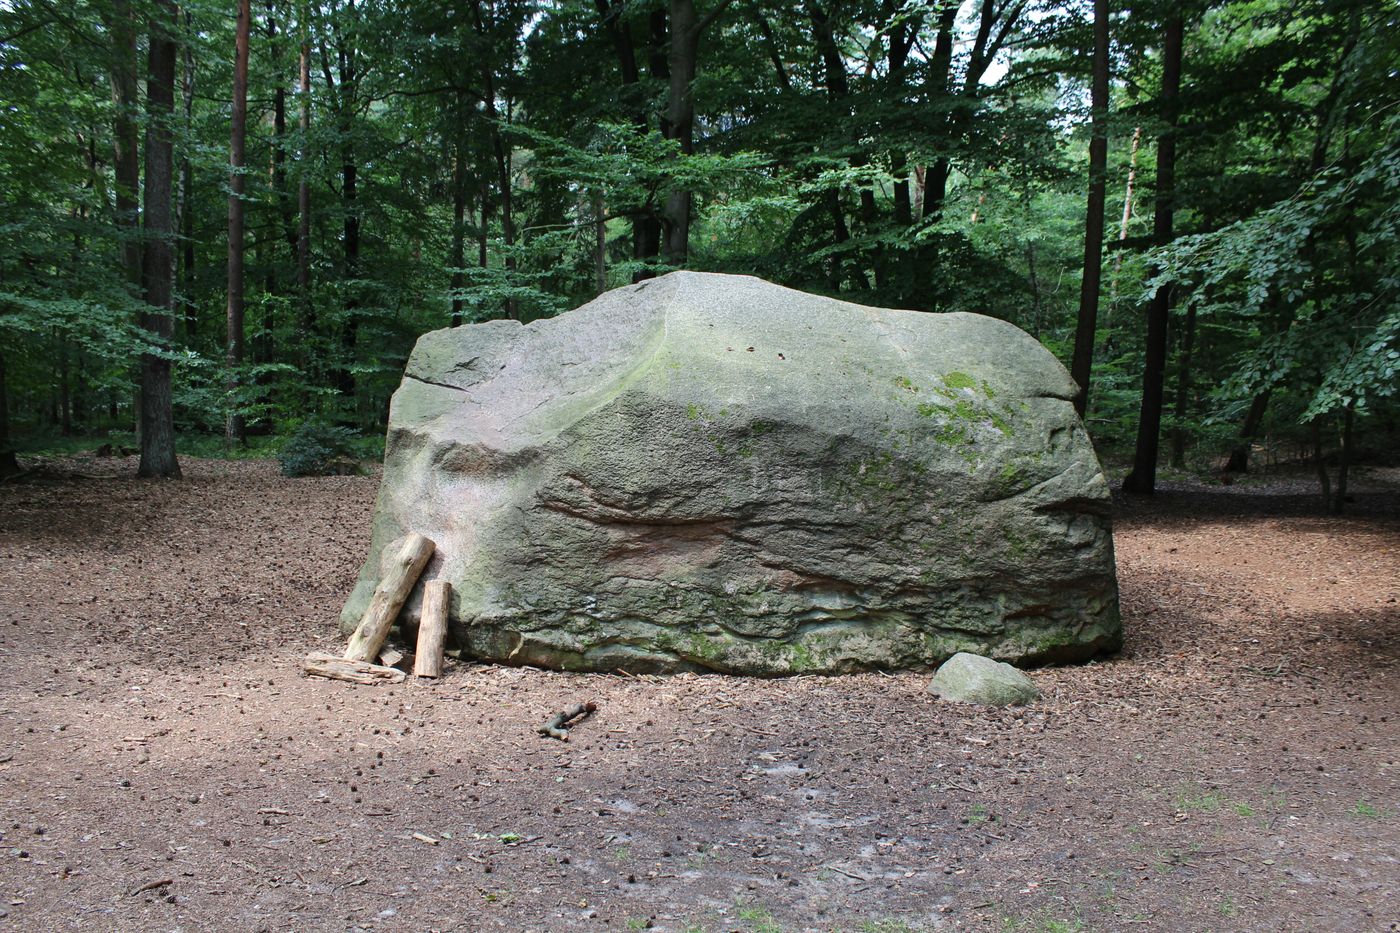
(9, 465)
(1082, 366)
(304, 186)
(459, 231)
(157, 270)
(1143, 477)
(600, 242)
(126, 155)
(680, 114)
(1183, 390)
(235, 430)
(1126, 219)
(686, 29)
(187, 250)
(1339, 498)
(1253, 420)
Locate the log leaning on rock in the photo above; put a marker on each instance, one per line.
(400, 575)
(432, 629)
(321, 664)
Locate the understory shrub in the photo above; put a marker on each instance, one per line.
(319, 449)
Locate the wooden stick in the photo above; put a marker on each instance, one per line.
(389, 596)
(432, 628)
(554, 726)
(321, 664)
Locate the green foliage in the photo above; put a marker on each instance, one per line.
(816, 162)
(319, 449)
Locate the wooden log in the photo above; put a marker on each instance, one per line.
(321, 664)
(390, 657)
(432, 628)
(400, 574)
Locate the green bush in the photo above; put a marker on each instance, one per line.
(318, 449)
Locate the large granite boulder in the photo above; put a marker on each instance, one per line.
(713, 472)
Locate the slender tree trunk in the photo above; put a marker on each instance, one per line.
(185, 277)
(1183, 390)
(9, 464)
(1320, 462)
(1339, 499)
(65, 394)
(934, 187)
(1126, 219)
(1036, 310)
(837, 90)
(1143, 478)
(304, 186)
(680, 113)
(1082, 367)
(1253, 421)
(507, 222)
(126, 150)
(235, 429)
(157, 269)
(483, 231)
(349, 334)
(459, 231)
(600, 242)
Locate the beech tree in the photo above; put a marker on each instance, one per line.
(408, 166)
(157, 261)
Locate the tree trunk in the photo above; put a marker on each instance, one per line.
(680, 114)
(935, 181)
(235, 429)
(1183, 390)
(1253, 420)
(9, 465)
(646, 229)
(1320, 462)
(459, 231)
(686, 31)
(1082, 366)
(600, 242)
(304, 188)
(1123, 223)
(1339, 498)
(507, 222)
(157, 270)
(1143, 477)
(185, 276)
(349, 334)
(126, 155)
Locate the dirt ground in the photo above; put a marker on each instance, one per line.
(164, 765)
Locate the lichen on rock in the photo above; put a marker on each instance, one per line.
(711, 472)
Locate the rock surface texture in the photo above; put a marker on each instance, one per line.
(714, 472)
(971, 678)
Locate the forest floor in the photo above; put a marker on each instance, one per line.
(165, 765)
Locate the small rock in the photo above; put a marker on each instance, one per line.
(971, 678)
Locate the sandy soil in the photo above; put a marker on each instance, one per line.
(164, 765)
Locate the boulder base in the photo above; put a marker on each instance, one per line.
(713, 472)
(971, 678)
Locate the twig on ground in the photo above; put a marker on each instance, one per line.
(152, 885)
(554, 726)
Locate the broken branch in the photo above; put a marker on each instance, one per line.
(554, 727)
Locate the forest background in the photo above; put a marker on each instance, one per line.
(225, 224)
